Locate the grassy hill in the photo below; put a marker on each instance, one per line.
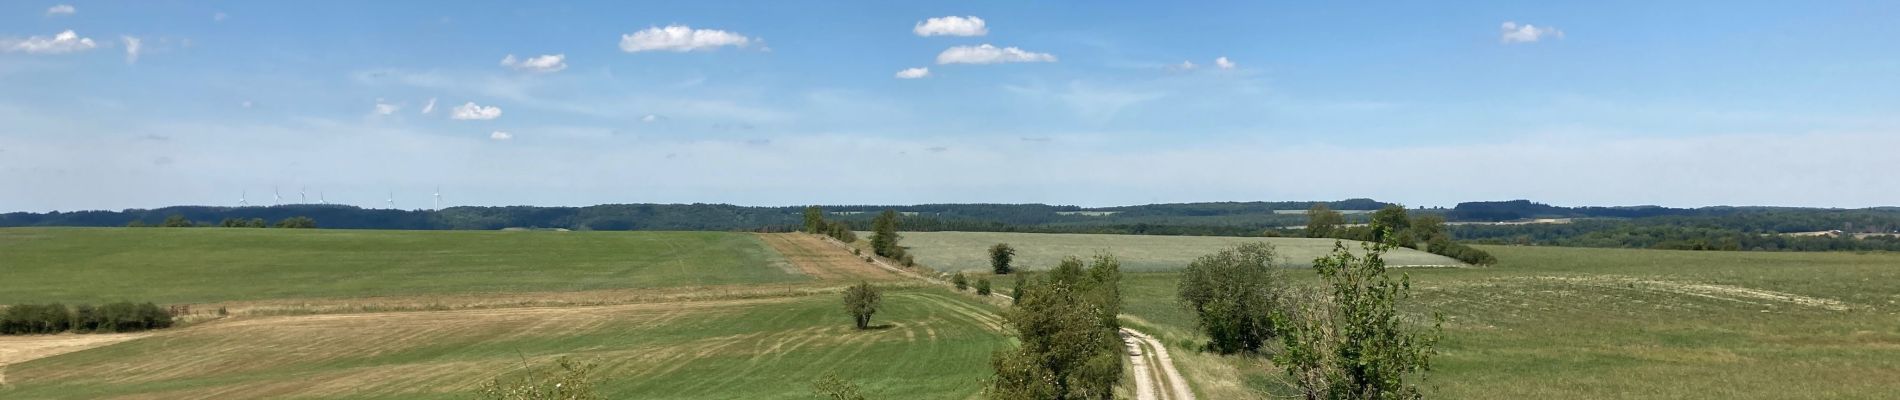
(169, 265)
(952, 251)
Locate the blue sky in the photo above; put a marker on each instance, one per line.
(783, 103)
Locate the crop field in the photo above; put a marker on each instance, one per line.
(933, 345)
(680, 315)
(969, 251)
(1617, 323)
(213, 264)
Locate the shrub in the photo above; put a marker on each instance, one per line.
(1232, 293)
(983, 287)
(960, 281)
(566, 380)
(297, 223)
(1069, 346)
(835, 388)
(1352, 341)
(861, 301)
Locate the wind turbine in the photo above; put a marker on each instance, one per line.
(392, 200)
(320, 199)
(277, 197)
(303, 195)
(241, 195)
(438, 197)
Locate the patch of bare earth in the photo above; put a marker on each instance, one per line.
(825, 261)
(19, 349)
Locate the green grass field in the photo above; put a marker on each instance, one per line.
(936, 346)
(969, 251)
(1616, 323)
(169, 265)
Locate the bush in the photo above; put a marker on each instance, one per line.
(1066, 325)
(31, 319)
(35, 319)
(1232, 293)
(960, 281)
(297, 223)
(567, 380)
(861, 301)
(1351, 341)
(983, 287)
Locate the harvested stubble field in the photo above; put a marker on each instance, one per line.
(969, 251)
(1574, 323)
(712, 315)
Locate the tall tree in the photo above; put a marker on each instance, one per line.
(814, 219)
(862, 301)
(1322, 221)
(884, 235)
(1352, 341)
(1069, 346)
(1000, 256)
(1390, 221)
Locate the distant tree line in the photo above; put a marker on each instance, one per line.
(35, 319)
(816, 223)
(179, 221)
(1669, 234)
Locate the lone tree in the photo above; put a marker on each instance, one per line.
(1233, 293)
(1391, 222)
(884, 235)
(1352, 342)
(1322, 221)
(861, 301)
(1000, 256)
(814, 220)
(983, 287)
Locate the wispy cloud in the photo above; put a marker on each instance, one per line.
(499, 135)
(63, 42)
(987, 54)
(62, 9)
(1512, 32)
(472, 111)
(951, 26)
(428, 108)
(540, 64)
(132, 48)
(913, 73)
(680, 38)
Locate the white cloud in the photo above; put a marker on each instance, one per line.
(913, 73)
(219, 16)
(499, 135)
(650, 118)
(472, 111)
(386, 108)
(951, 26)
(543, 63)
(987, 54)
(64, 42)
(1185, 65)
(429, 107)
(680, 38)
(1512, 32)
(1225, 63)
(63, 9)
(132, 47)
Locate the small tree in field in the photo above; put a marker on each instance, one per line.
(884, 235)
(983, 287)
(861, 301)
(960, 281)
(1233, 293)
(1350, 341)
(1000, 256)
(814, 220)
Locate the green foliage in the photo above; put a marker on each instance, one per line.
(1390, 221)
(841, 231)
(884, 235)
(1351, 341)
(298, 222)
(983, 287)
(1069, 348)
(961, 282)
(1322, 222)
(1016, 291)
(30, 319)
(1233, 293)
(1000, 256)
(834, 388)
(861, 301)
(814, 220)
(566, 380)
(176, 221)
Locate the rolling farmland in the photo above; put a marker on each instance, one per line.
(1614, 323)
(969, 251)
